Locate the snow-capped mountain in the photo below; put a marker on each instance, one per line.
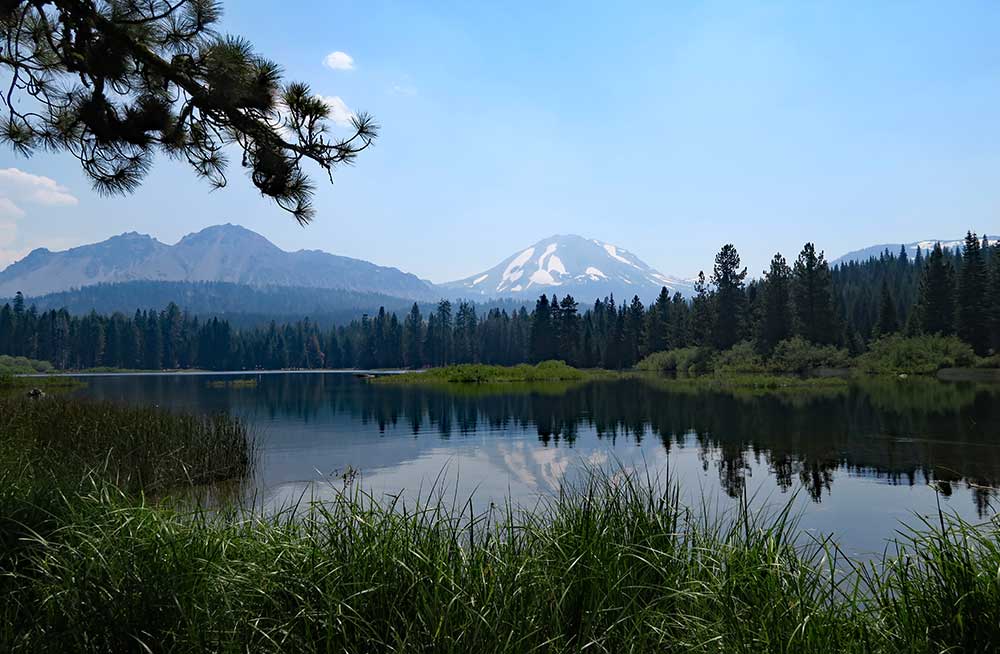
(585, 268)
(911, 249)
(222, 253)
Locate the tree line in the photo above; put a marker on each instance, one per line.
(941, 292)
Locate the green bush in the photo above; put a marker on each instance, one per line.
(799, 355)
(22, 366)
(685, 360)
(742, 357)
(916, 354)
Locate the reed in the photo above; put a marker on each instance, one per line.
(614, 564)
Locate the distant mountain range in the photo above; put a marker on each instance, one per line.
(228, 269)
(911, 249)
(223, 253)
(93, 274)
(585, 268)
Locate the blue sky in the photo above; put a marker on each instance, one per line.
(667, 128)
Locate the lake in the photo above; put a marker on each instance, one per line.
(858, 460)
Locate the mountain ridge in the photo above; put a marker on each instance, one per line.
(219, 253)
(866, 253)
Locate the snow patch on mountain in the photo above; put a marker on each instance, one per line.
(585, 268)
(876, 251)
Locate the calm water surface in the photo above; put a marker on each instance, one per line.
(859, 460)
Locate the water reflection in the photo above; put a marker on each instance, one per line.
(897, 432)
(859, 458)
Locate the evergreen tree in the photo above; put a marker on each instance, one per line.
(813, 298)
(569, 330)
(730, 298)
(632, 335)
(936, 304)
(972, 317)
(658, 324)
(542, 331)
(413, 338)
(776, 304)
(994, 297)
(113, 82)
(702, 313)
(888, 321)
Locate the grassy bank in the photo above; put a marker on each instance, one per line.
(475, 373)
(614, 566)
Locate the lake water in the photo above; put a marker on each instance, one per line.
(858, 460)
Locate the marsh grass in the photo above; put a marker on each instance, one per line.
(477, 373)
(613, 564)
(232, 383)
(135, 448)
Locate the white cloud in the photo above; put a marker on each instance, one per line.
(339, 112)
(34, 188)
(18, 189)
(404, 89)
(339, 61)
(9, 210)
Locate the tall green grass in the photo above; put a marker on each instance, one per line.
(615, 564)
(477, 373)
(135, 448)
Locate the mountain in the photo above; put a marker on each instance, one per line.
(911, 249)
(588, 269)
(223, 253)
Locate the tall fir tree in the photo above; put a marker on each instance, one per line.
(542, 331)
(413, 338)
(702, 313)
(776, 304)
(813, 297)
(993, 301)
(730, 298)
(888, 319)
(972, 317)
(936, 303)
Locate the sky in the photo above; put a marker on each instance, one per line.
(666, 128)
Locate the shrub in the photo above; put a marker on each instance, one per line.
(685, 360)
(916, 354)
(22, 365)
(742, 357)
(799, 355)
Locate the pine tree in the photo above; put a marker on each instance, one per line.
(541, 331)
(730, 298)
(776, 304)
(413, 356)
(658, 324)
(972, 319)
(888, 321)
(936, 303)
(702, 313)
(569, 331)
(112, 83)
(813, 297)
(994, 297)
(633, 335)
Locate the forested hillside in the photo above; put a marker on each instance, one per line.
(940, 292)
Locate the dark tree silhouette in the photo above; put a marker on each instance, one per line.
(115, 81)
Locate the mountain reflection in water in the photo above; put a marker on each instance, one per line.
(518, 441)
